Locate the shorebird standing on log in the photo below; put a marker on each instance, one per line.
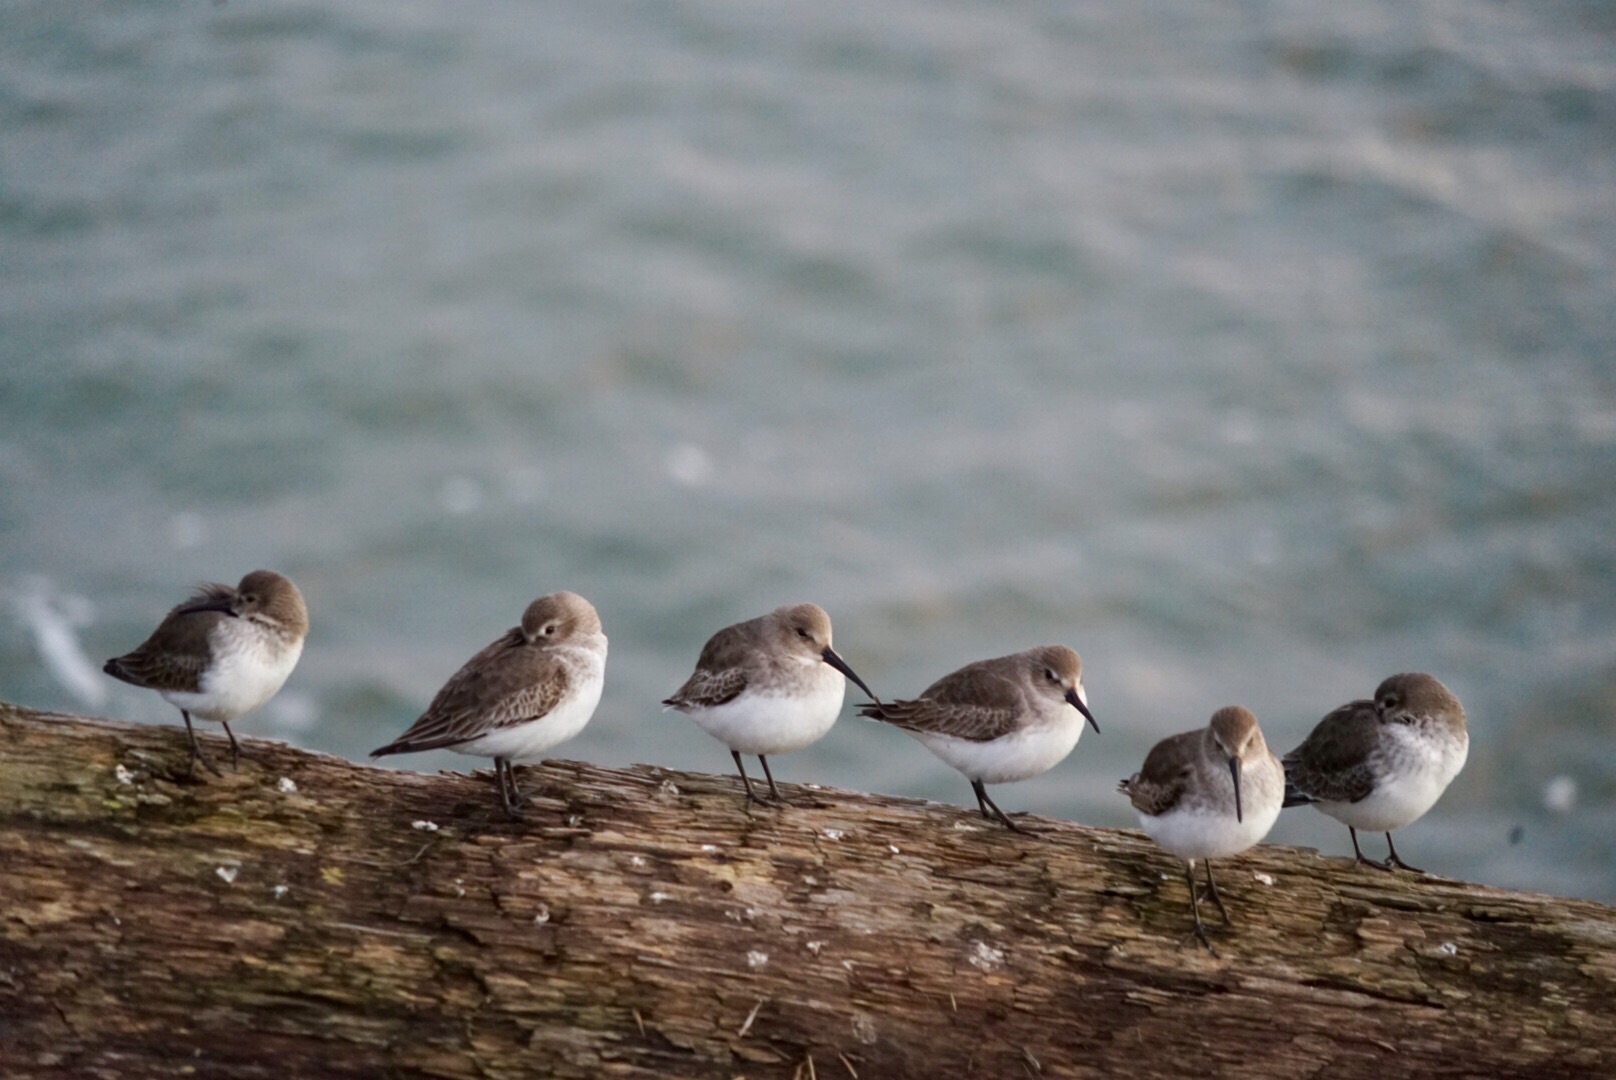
(1000, 720)
(221, 654)
(534, 687)
(1209, 794)
(1381, 764)
(769, 685)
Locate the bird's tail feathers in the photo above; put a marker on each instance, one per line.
(1295, 796)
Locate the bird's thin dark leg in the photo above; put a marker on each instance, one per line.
(1195, 909)
(981, 799)
(750, 797)
(1361, 856)
(196, 750)
(1393, 860)
(774, 792)
(1216, 899)
(517, 799)
(235, 747)
(987, 804)
(505, 775)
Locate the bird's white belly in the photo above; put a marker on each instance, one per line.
(246, 671)
(1419, 776)
(1206, 833)
(756, 723)
(1391, 805)
(1025, 754)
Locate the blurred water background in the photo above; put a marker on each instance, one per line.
(1255, 350)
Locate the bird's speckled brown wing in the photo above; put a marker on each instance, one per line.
(721, 670)
(510, 682)
(1332, 764)
(179, 650)
(1165, 777)
(979, 702)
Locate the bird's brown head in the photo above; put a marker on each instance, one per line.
(1058, 670)
(1414, 696)
(1234, 728)
(558, 617)
(268, 597)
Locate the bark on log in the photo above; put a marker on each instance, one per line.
(295, 919)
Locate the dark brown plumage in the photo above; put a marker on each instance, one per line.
(245, 639)
(1333, 761)
(547, 669)
(998, 720)
(765, 686)
(1381, 764)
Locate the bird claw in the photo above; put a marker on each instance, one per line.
(1199, 935)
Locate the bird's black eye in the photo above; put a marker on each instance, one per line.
(549, 629)
(1050, 672)
(803, 633)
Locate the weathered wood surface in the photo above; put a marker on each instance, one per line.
(643, 923)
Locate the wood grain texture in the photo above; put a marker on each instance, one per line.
(644, 923)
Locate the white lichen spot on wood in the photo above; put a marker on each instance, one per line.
(542, 916)
(709, 848)
(667, 787)
(1448, 948)
(425, 826)
(575, 820)
(658, 897)
(280, 891)
(986, 957)
(894, 849)
(834, 834)
(756, 959)
(864, 1028)
(123, 775)
(227, 873)
(814, 947)
(1266, 879)
(286, 786)
(459, 887)
(636, 861)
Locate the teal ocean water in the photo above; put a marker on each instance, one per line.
(1255, 350)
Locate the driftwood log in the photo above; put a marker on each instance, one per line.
(311, 917)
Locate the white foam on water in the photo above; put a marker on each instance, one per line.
(54, 619)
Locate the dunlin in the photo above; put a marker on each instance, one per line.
(998, 720)
(1381, 764)
(534, 687)
(1209, 794)
(222, 653)
(769, 685)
